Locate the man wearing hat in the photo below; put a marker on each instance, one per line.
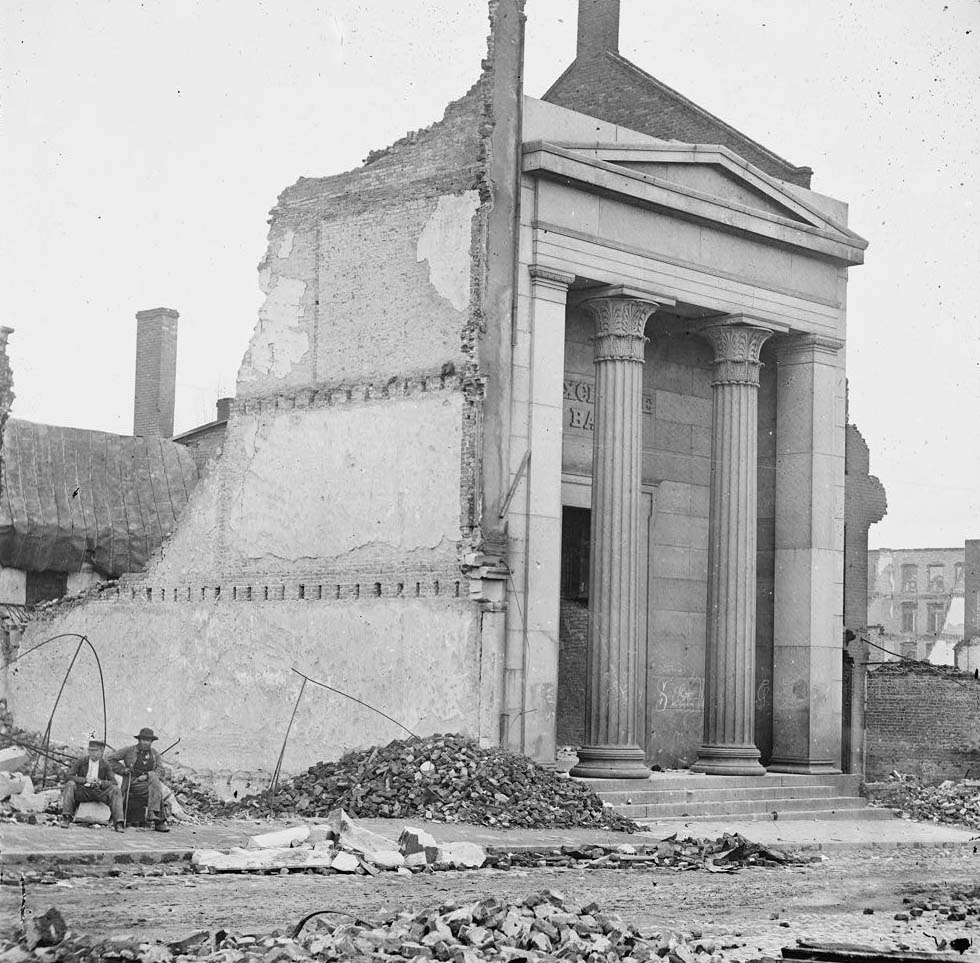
(143, 772)
(90, 779)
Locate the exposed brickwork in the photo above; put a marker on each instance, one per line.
(607, 86)
(156, 372)
(971, 589)
(922, 719)
(573, 635)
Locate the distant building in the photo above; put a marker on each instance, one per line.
(912, 594)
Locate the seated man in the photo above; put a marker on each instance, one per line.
(143, 772)
(90, 779)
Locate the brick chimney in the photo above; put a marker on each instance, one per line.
(156, 372)
(224, 408)
(598, 28)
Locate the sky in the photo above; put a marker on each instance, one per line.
(142, 145)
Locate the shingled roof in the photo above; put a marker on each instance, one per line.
(69, 495)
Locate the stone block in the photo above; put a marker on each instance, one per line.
(11, 785)
(414, 841)
(28, 802)
(462, 855)
(386, 859)
(14, 759)
(345, 863)
(279, 839)
(93, 812)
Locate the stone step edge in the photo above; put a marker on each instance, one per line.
(654, 796)
(752, 807)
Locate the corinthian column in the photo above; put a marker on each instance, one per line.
(729, 706)
(612, 748)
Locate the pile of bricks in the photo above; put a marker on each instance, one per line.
(952, 801)
(444, 778)
(541, 927)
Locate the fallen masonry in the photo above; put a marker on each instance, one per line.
(339, 845)
(541, 928)
(443, 778)
(955, 802)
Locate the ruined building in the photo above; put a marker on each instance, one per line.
(540, 436)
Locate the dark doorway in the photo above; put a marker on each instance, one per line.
(846, 703)
(573, 629)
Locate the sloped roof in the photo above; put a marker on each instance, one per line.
(69, 495)
(609, 87)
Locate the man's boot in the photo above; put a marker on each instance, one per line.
(120, 827)
(64, 820)
(160, 825)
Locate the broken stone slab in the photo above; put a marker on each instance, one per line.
(12, 784)
(414, 840)
(14, 758)
(279, 839)
(37, 802)
(386, 859)
(416, 859)
(462, 855)
(240, 860)
(345, 863)
(355, 838)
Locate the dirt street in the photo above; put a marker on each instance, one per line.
(760, 909)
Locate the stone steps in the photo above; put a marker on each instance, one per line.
(694, 796)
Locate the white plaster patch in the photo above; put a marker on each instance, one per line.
(279, 342)
(445, 244)
(286, 244)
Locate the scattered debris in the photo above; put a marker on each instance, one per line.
(539, 928)
(443, 778)
(849, 953)
(951, 801)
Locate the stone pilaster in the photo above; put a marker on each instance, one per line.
(612, 748)
(808, 596)
(729, 706)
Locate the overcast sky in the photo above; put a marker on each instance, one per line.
(143, 145)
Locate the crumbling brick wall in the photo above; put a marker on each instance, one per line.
(922, 719)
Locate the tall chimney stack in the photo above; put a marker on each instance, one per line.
(598, 28)
(156, 372)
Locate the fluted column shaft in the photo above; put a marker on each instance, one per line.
(729, 708)
(612, 748)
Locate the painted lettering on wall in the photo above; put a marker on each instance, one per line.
(580, 405)
(679, 694)
(763, 695)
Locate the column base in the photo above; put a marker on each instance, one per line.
(729, 761)
(610, 762)
(804, 767)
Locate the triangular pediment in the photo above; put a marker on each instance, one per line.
(714, 181)
(714, 174)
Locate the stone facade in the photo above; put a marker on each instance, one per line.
(524, 377)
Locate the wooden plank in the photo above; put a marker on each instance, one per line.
(850, 953)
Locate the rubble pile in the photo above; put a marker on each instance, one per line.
(444, 778)
(541, 927)
(58, 757)
(197, 801)
(951, 801)
(725, 854)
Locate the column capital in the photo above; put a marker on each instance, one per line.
(619, 326)
(795, 348)
(550, 277)
(737, 347)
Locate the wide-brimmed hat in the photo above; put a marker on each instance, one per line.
(146, 733)
(96, 744)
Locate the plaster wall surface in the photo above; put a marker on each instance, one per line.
(217, 675)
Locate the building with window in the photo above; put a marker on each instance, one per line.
(912, 592)
(555, 370)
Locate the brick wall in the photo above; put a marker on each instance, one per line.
(922, 719)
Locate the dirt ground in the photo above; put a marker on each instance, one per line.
(753, 912)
